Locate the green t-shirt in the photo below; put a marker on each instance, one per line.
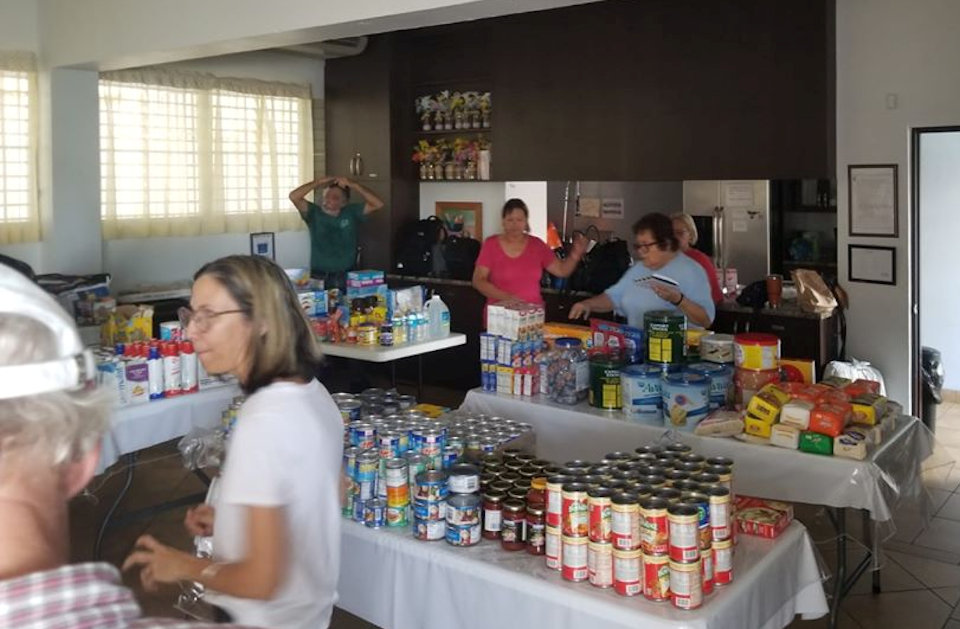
(333, 239)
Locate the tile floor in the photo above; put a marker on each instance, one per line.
(921, 575)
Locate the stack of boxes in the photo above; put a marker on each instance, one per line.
(511, 348)
(367, 298)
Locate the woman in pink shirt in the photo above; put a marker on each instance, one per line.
(685, 231)
(511, 264)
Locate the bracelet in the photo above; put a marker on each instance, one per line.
(211, 571)
(679, 301)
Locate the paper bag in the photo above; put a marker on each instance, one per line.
(813, 294)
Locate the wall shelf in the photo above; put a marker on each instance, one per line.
(454, 131)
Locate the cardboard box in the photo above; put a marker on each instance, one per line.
(608, 335)
(763, 518)
(798, 370)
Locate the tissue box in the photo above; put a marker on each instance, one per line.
(367, 277)
(763, 518)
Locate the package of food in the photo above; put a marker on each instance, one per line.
(618, 338)
(850, 445)
(763, 518)
(833, 396)
(717, 348)
(860, 386)
(815, 443)
(554, 331)
(836, 382)
(362, 278)
(785, 436)
(766, 404)
(757, 426)
(796, 413)
(720, 423)
(830, 418)
(872, 435)
(747, 383)
(127, 324)
(798, 370)
(868, 408)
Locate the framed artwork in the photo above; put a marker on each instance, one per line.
(874, 265)
(872, 191)
(262, 244)
(461, 218)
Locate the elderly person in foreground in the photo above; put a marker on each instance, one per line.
(52, 417)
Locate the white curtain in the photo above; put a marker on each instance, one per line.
(185, 153)
(19, 214)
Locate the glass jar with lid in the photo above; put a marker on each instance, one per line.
(568, 372)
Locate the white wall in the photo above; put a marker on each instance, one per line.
(19, 25)
(940, 233)
(492, 195)
(909, 49)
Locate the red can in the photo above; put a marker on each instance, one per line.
(600, 564)
(654, 527)
(684, 533)
(627, 573)
(598, 504)
(721, 519)
(656, 577)
(625, 522)
(723, 562)
(555, 499)
(706, 570)
(574, 515)
(553, 548)
(686, 587)
(574, 559)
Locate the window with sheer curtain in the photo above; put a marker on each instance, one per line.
(186, 154)
(19, 216)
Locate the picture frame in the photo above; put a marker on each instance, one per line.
(872, 194)
(263, 244)
(872, 264)
(461, 218)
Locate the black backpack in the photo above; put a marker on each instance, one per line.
(460, 255)
(602, 267)
(415, 247)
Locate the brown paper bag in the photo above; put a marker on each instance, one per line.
(813, 294)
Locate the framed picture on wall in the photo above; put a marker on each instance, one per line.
(461, 218)
(872, 190)
(874, 265)
(262, 244)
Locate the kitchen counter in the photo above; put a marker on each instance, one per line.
(787, 309)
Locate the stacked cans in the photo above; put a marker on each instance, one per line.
(430, 505)
(463, 505)
(513, 484)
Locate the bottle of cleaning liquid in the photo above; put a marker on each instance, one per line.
(439, 317)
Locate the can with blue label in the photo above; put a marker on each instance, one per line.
(450, 456)
(375, 513)
(721, 382)
(363, 435)
(686, 400)
(640, 391)
(463, 534)
(431, 485)
(429, 509)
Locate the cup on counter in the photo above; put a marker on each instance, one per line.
(774, 290)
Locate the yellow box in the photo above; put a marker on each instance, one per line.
(757, 427)
(766, 404)
(807, 369)
(553, 331)
(868, 408)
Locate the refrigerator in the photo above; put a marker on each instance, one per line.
(736, 213)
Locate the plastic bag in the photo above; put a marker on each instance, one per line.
(855, 370)
(202, 447)
(813, 294)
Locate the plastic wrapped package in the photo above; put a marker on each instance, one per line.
(202, 447)
(855, 370)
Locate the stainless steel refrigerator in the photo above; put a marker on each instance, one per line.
(740, 225)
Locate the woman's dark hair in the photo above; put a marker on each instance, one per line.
(660, 227)
(286, 347)
(514, 204)
(345, 190)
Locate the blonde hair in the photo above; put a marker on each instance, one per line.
(282, 345)
(690, 225)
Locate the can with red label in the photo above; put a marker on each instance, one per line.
(574, 514)
(720, 520)
(656, 577)
(600, 564)
(625, 522)
(686, 585)
(654, 527)
(626, 572)
(598, 503)
(555, 498)
(706, 570)
(723, 562)
(684, 533)
(574, 558)
(553, 548)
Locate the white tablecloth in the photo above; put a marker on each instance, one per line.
(395, 581)
(888, 478)
(141, 426)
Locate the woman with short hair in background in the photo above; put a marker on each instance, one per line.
(686, 232)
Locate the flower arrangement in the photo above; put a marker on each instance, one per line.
(454, 110)
(449, 158)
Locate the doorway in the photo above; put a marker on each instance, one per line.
(935, 217)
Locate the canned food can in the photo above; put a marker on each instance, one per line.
(463, 479)
(686, 586)
(356, 509)
(398, 487)
(449, 457)
(625, 522)
(702, 503)
(432, 485)
(654, 527)
(416, 465)
(684, 533)
(374, 513)
(350, 410)
(574, 558)
(363, 435)
(723, 562)
(398, 516)
(463, 509)
(720, 506)
(600, 564)
(706, 563)
(656, 577)
(386, 335)
(626, 572)
(554, 548)
(389, 445)
(598, 504)
(463, 534)
(555, 498)
(429, 530)
(575, 516)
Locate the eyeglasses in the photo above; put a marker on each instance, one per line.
(201, 319)
(644, 247)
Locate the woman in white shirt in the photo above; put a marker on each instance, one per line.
(275, 519)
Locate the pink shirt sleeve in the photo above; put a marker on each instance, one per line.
(544, 254)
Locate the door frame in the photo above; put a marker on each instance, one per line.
(916, 134)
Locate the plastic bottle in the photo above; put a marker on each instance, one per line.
(188, 368)
(155, 372)
(171, 369)
(439, 317)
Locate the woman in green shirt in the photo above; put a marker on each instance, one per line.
(333, 225)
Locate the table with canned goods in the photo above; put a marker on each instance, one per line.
(391, 579)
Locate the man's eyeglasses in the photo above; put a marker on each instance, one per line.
(644, 247)
(201, 319)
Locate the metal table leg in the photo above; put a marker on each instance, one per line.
(129, 460)
(840, 524)
(867, 525)
(419, 377)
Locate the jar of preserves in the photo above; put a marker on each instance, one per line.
(538, 491)
(513, 525)
(492, 514)
(536, 528)
(568, 372)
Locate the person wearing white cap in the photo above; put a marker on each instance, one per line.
(52, 417)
